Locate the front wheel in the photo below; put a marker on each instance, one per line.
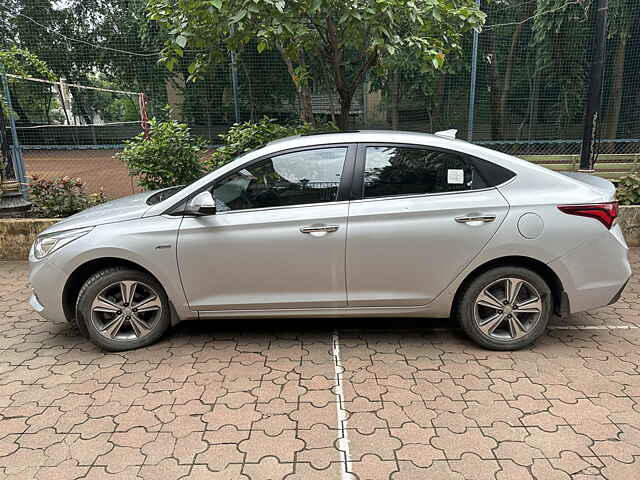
(505, 308)
(123, 309)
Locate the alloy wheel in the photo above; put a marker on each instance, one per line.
(508, 309)
(126, 310)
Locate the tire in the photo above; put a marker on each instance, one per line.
(484, 316)
(114, 324)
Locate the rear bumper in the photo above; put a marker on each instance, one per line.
(617, 296)
(594, 274)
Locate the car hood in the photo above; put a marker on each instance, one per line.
(127, 208)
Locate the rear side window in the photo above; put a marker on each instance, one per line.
(391, 171)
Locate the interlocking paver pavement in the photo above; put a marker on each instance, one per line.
(274, 401)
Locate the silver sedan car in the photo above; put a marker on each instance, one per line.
(357, 224)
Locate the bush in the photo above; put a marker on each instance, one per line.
(248, 136)
(60, 197)
(170, 156)
(629, 189)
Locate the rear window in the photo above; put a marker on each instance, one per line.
(391, 171)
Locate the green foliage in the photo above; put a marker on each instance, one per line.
(628, 192)
(20, 61)
(434, 27)
(248, 136)
(170, 156)
(105, 29)
(569, 25)
(349, 38)
(60, 197)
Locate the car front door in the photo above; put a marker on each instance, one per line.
(420, 217)
(277, 240)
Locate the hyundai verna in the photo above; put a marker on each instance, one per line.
(357, 224)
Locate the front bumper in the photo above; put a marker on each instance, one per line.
(47, 283)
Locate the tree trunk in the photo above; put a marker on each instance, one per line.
(17, 108)
(617, 86)
(494, 86)
(333, 53)
(346, 98)
(508, 70)
(440, 101)
(307, 105)
(395, 100)
(506, 78)
(303, 91)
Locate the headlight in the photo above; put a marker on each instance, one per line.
(46, 244)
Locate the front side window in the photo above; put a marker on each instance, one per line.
(298, 178)
(391, 171)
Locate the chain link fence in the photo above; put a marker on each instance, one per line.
(531, 81)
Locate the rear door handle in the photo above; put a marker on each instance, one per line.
(319, 229)
(475, 218)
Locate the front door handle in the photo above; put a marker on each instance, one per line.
(319, 229)
(476, 218)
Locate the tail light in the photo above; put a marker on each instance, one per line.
(606, 213)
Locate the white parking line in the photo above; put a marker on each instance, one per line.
(550, 327)
(343, 438)
(592, 327)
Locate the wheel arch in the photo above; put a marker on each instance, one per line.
(560, 298)
(80, 275)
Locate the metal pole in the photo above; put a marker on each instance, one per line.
(234, 83)
(472, 89)
(594, 96)
(16, 151)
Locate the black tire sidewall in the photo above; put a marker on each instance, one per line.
(466, 306)
(95, 284)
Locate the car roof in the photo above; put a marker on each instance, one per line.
(360, 136)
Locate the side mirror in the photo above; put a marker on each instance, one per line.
(200, 205)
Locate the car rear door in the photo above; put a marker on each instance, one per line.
(419, 217)
(278, 238)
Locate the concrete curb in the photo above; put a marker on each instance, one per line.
(17, 235)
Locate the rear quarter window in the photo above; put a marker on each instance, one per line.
(491, 173)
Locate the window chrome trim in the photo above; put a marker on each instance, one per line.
(421, 195)
(281, 207)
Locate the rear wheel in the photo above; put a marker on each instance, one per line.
(505, 308)
(122, 309)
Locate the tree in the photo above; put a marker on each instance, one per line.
(349, 37)
(112, 37)
(500, 61)
(621, 19)
(557, 37)
(20, 61)
(16, 61)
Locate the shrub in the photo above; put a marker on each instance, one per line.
(60, 197)
(170, 156)
(629, 189)
(248, 136)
